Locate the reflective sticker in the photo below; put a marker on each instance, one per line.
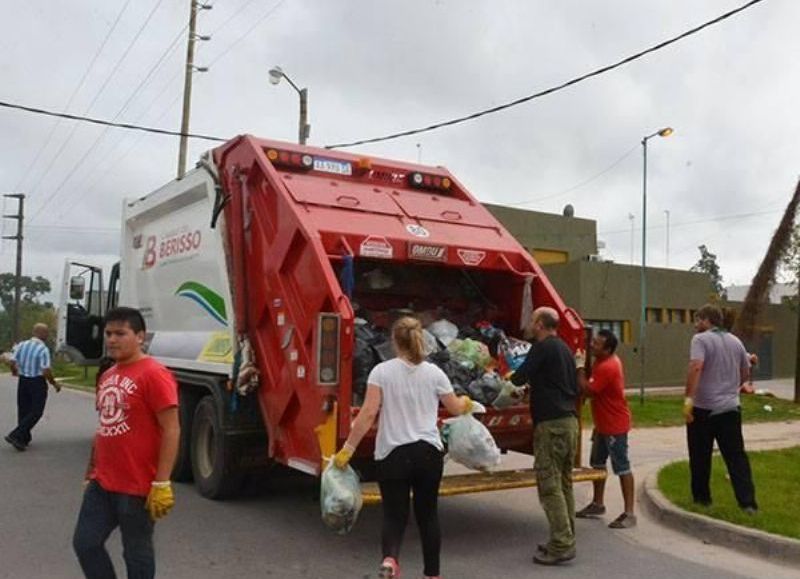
(417, 230)
(375, 246)
(471, 256)
(293, 355)
(301, 371)
(281, 319)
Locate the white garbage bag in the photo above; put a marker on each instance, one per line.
(469, 442)
(340, 498)
(445, 330)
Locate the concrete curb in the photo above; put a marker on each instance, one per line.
(713, 531)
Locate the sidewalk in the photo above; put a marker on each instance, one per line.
(650, 449)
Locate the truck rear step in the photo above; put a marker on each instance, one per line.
(482, 482)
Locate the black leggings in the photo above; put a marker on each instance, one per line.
(418, 467)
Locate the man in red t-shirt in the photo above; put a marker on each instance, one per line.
(134, 450)
(612, 421)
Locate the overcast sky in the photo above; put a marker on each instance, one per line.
(731, 92)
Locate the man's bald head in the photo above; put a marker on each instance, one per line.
(547, 316)
(41, 331)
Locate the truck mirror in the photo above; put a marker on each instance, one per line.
(77, 287)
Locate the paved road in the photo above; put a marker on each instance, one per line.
(275, 530)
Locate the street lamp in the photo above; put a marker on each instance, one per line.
(304, 129)
(665, 132)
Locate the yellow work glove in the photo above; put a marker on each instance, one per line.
(160, 500)
(468, 404)
(688, 406)
(342, 458)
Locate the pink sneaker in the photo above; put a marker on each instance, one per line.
(389, 569)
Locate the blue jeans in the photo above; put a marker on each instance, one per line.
(102, 512)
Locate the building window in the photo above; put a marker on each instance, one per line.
(620, 328)
(676, 316)
(655, 315)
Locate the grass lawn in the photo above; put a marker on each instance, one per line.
(74, 376)
(665, 410)
(776, 474)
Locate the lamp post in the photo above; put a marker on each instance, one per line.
(304, 129)
(665, 132)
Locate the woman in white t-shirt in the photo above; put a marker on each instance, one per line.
(405, 392)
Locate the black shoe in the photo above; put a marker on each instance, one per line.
(591, 511)
(548, 559)
(15, 443)
(541, 548)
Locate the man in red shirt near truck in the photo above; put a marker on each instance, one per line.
(612, 421)
(134, 450)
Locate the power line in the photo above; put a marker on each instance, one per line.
(551, 90)
(579, 185)
(74, 94)
(247, 32)
(122, 109)
(698, 222)
(597, 72)
(114, 70)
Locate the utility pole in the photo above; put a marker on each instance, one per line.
(187, 81)
(18, 276)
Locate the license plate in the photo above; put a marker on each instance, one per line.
(331, 166)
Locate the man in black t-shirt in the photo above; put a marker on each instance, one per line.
(550, 371)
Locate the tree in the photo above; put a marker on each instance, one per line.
(32, 288)
(31, 311)
(708, 264)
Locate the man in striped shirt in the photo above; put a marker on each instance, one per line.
(31, 363)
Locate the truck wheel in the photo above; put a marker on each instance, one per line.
(214, 464)
(183, 464)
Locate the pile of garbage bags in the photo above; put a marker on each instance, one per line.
(475, 358)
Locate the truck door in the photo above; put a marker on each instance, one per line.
(80, 313)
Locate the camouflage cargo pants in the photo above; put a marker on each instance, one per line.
(554, 446)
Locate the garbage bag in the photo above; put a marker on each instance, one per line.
(470, 443)
(444, 330)
(514, 351)
(470, 353)
(485, 388)
(509, 395)
(364, 360)
(431, 344)
(460, 376)
(340, 498)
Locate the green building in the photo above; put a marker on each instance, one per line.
(608, 295)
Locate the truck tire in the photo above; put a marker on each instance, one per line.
(214, 462)
(182, 472)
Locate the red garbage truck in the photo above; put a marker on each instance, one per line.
(257, 273)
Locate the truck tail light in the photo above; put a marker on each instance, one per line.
(328, 349)
(290, 159)
(419, 180)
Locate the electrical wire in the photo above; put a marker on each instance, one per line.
(122, 109)
(247, 32)
(550, 90)
(74, 94)
(579, 185)
(114, 70)
(129, 126)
